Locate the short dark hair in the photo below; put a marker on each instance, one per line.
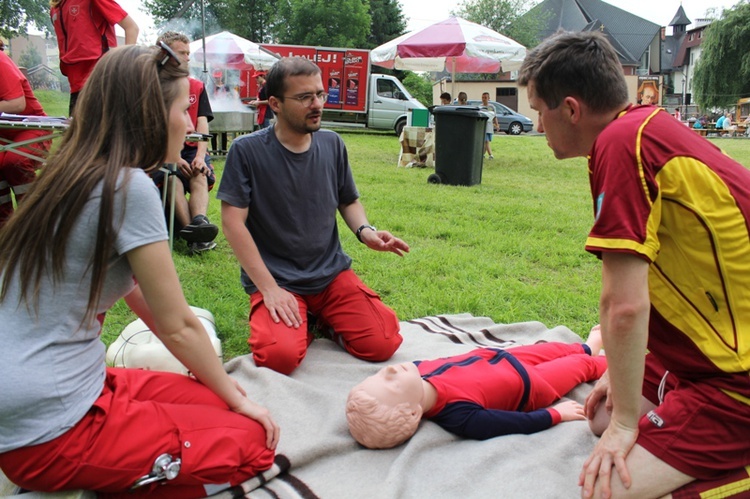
(285, 68)
(581, 64)
(445, 96)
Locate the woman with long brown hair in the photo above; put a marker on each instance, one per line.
(90, 231)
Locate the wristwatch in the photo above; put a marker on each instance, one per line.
(363, 227)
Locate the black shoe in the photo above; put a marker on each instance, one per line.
(200, 230)
(196, 248)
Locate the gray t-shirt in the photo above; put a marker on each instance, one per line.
(292, 201)
(52, 363)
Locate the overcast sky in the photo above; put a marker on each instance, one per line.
(420, 13)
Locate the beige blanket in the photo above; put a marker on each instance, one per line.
(318, 458)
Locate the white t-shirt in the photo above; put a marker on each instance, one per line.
(489, 111)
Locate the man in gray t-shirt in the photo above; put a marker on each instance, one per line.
(280, 192)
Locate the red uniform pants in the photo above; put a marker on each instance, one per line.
(361, 322)
(555, 369)
(139, 416)
(696, 428)
(18, 172)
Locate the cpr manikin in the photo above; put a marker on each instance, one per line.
(482, 394)
(138, 347)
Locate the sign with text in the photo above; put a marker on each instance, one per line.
(344, 73)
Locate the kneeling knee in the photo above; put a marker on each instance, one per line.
(281, 361)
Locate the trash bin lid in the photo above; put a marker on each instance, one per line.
(468, 111)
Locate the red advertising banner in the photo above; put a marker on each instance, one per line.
(344, 73)
(356, 63)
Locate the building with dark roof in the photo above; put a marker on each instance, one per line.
(636, 40)
(680, 54)
(643, 47)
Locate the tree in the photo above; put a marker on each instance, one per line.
(17, 15)
(331, 23)
(723, 71)
(183, 16)
(507, 17)
(30, 57)
(387, 22)
(250, 19)
(419, 86)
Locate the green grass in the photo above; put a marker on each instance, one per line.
(54, 103)
(510, 248)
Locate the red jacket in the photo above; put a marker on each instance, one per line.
(85, 28)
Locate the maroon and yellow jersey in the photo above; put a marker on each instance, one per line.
(665, 194)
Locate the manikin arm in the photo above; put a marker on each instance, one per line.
(470, 420)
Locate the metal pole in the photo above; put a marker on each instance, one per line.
(203, 28)
(453, 79)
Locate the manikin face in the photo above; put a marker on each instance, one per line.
(179, 121)
(553, 124)
(295, 115)
(395, 384)
(182, 50)
(648, 96)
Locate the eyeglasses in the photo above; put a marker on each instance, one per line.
(168, 54)
(308, 99)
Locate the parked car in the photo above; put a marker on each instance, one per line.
(510, 121)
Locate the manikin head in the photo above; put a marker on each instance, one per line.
(384, 410)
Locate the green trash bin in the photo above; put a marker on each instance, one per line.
(459, 145)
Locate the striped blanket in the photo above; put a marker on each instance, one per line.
(317, 457)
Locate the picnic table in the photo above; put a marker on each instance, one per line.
(54, 126)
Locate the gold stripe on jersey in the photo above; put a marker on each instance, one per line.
(638, 153)
(621, 244)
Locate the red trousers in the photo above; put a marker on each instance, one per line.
(361, 323)
(555, 369)
(139, 416)
(18, 172)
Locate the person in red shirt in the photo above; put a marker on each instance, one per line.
(17, 172)
(261, 103)
(195, 172)
(671, 225)
(85, 31)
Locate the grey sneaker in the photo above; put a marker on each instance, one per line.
(199, 230)
(196, 248)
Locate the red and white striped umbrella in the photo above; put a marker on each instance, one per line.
(454, 45)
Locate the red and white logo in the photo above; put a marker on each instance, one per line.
(74, 9)
(193, 99)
